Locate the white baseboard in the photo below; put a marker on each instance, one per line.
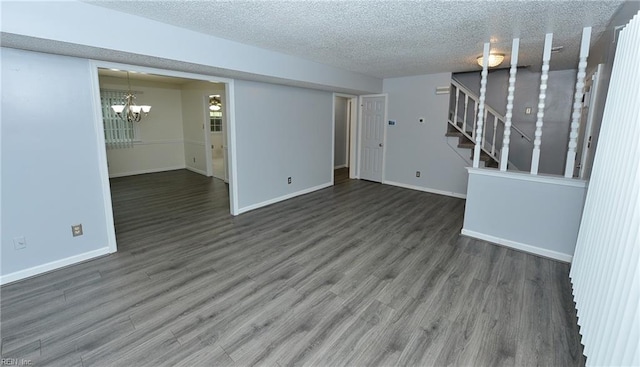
(284, 197)
(142, 172)
(519, 246)
(425, 189)
(44, 268)
(340, 166)
(196, 170)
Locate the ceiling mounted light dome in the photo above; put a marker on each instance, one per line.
(494, 60)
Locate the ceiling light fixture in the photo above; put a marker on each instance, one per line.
(130, 111)
(494, 60)
(215, 104)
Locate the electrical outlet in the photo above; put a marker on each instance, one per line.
(417, 173)
(289, 181)
(527, 111)
(19, 243)
(76, 230)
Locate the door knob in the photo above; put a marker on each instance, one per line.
(380, 145)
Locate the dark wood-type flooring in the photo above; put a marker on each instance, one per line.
(358, 274)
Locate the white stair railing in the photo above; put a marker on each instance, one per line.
(463, 116)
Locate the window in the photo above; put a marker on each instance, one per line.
(216, 121)
(118, 133)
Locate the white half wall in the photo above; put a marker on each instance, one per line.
(273, 143)
(50, 173)
(537, 214)
(160, 146)
(413, 146)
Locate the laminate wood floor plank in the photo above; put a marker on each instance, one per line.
(535, 331)
(358, 274)
(566, 337)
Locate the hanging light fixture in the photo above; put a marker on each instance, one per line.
(494, 60)
(130, 111)
(214, 102)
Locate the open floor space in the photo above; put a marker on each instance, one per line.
(358, 274)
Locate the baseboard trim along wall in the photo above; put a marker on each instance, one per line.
(519, 246)
(196, 170)
(340, 166)
(144, 171)
(426, 189)
(54, 265)
(284, 197)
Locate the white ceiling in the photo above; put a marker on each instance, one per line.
(389, 38)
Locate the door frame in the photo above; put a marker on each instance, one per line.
(207, 138)
(206, 124)
(594, 77)
(102, 164)
(384, 131)
(352, 121)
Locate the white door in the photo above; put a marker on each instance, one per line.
(372, 134)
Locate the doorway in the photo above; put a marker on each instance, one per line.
(188, 145)
(344, 137)
(216, 132)
(584, 149)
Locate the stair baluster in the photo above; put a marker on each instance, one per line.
(577, 103)
(506, 137)
(537, 140)
(483, 90)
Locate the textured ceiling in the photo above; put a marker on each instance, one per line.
(389, 38)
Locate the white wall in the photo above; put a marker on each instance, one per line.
(341, 133)
(538, 214)
(160, 146)
(50, 174)
(281, 132)
(195, 107)
(83, 24)
(412, 146)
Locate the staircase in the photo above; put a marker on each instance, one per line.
(465, 142)
(463, 115)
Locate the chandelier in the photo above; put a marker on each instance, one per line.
(130, 111)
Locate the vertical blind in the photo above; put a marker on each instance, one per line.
(118, 133)
(605, 270)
